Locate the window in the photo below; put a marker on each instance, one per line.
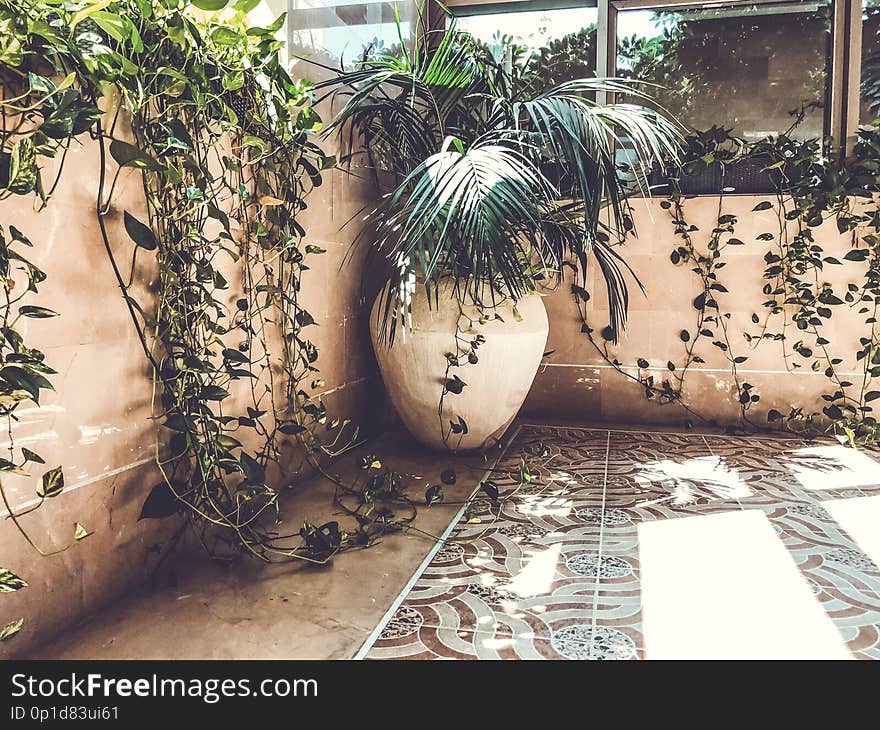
(341, 31)
(869, 108)
(556, 43)
(758, 68)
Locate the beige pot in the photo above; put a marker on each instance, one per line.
(414, 367)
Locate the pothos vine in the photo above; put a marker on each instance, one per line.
(224, 141)
(813, 187)
(225, 144)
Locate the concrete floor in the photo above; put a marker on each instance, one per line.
(292, 611)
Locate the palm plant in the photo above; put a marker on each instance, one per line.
(467, 143)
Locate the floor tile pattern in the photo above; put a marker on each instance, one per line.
(552, 570)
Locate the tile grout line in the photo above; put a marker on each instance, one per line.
(646, 429)
(601, 540)
(712, 453)
(401, 597)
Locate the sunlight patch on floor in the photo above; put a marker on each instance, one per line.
(832, 467)
(859, 517)
(536, 578)
(723, 586)
(711, 473)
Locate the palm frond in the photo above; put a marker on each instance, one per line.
(466, 141)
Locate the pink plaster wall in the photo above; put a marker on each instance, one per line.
(575, 383)
(97, 422)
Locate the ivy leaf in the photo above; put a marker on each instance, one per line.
(245, 6)
(224, 36)
(127, 155)
(80, 532)
(139, 233)
(212, 5)
(112, 24)
(90, 9)
(30, 310)
(433, 494)
(455, 385)
(253, 472)
(291, 429)
(32, 456)
(10, 582)
(160, 503)
(763, 205)
(490, 489)
(52, 483)
(11, 629)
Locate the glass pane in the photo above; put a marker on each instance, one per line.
(870, 106)
(556, 45)
(760, 69)
(341, 31)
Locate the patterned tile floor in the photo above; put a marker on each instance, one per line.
(636, 544)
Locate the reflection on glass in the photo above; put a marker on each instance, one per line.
(757, 68)
(335, 32)
(870, 97)
(553, 45)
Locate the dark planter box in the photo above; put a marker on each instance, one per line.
(743, 176)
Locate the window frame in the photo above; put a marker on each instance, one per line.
(842, 118)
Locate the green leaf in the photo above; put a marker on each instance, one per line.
(455, 385)
(224, 36)
(139, 233)
(30, 310)
(10, 582)
(291, 429)
(252, 470)
(127, 155)
(214, 392)
(51, 484)
(490, 489)
(245, 6)
(211, 5)
(11, 629)
(160, 502)
(433, 494)
(80, 532)
(32, 456)
(90, 9)
(763, 205)
(112, 24)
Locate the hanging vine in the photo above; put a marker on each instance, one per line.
(224, 141)
(812, 188)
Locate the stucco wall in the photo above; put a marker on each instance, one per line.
(576, 383)
(97, 421)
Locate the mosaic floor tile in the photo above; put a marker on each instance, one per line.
(553, 569)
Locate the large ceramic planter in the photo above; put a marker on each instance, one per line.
(413, 367)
